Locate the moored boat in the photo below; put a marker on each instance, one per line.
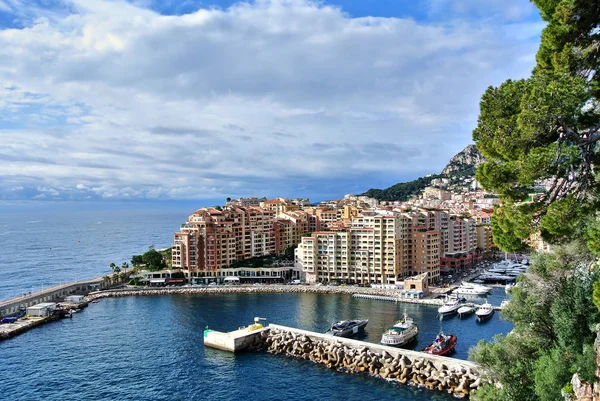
(442, 345)
(472, 289)
(347, 328)
(466, 310)
(504, 303)
(401, 333)
(449, 307)
(484, 312)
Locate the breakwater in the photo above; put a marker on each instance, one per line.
(51, 294)
(433, 372)
(262, 289)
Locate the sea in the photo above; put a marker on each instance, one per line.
(151, 348)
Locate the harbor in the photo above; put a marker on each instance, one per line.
(149, 320)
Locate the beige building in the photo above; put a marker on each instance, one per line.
(367, 252)
(485, 241)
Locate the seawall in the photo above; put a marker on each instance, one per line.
(262, 289)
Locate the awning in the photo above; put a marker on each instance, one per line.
(232, 278)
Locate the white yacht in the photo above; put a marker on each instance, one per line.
(485, 311)
(466, 310)
(449, 307)
(472, 289)
(401, 333)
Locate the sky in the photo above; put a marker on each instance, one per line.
(196, 101)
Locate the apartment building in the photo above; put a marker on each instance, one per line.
(462, 236)
(485, 241)
(212, 239)
(368, 251)
(426, 253)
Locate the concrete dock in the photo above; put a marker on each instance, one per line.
(9, 330)
(233, 341)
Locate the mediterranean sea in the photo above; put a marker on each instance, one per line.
(151, 347)
(48, 248)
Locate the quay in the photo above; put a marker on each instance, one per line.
(13, 305)
(454, 376)
(41, 301)
(24, 324)
(277, 289)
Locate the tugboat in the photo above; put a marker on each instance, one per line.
(485, 312)
(442, 345)
(347, 328)
(401, 333)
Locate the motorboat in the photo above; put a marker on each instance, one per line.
(484, 312)
(450, 306)
(504, 303)
(472, 289)
(347, 328)
(401, 333)
(466, 310)
(442, 345)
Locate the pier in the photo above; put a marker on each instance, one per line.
(24, 324)
(13, 305)
(433, 372)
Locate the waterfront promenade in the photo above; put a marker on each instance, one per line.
(349, 290)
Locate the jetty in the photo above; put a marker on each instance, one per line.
(24, 312)
(13, 305)
(454, 376)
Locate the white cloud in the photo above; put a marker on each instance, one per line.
(118, 101)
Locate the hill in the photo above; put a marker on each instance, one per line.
(458, 173)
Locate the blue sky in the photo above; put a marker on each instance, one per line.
(194, 101)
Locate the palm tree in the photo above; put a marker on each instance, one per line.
(115, 268)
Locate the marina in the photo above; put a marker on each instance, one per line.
(150, 320)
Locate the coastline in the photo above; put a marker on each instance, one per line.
(272, 289)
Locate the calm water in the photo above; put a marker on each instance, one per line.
(151, 348)
(44, 249)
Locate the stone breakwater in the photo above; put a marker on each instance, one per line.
(453, 376)
(258, 289)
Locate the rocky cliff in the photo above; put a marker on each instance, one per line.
(464, 163)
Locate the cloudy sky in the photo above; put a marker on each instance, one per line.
(200, 100)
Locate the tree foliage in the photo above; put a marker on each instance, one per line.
(554, 315)
(544, 131)
(401, 191)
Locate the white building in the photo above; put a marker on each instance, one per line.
(41, 310)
